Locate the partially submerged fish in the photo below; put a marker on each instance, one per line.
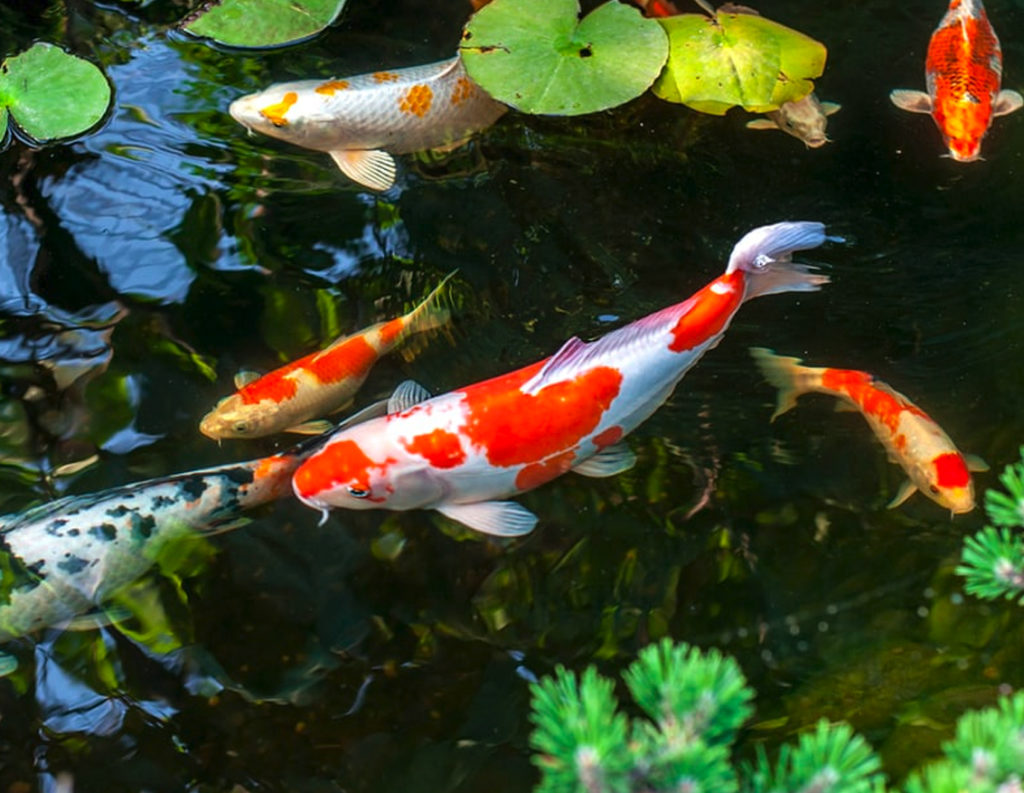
(912, 439)
(463, 453)
(805, 119)
(963, 73)
(292, 396)
(361, 121)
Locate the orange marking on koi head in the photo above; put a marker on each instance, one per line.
(951, 470)
(384, 77)
(276, 113)
(417, 100)
(537, 474)
(440, 448)
(464, 89)
(708, 312)
(331, 86)
(351, 358)
(341, 463)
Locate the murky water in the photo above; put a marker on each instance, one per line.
(150, 261)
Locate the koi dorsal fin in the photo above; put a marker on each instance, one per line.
(406, 395)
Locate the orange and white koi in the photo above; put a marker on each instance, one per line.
(361, 121)
(963, 72)
(912, 439)
(292, 396)
(463, 453)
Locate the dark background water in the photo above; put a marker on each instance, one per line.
(149, 261)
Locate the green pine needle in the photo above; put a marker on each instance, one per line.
(1007, 509)
(993, 564)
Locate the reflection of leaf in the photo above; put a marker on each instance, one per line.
(51, 94)
(536, 56)
(262, 23)
(737, 59)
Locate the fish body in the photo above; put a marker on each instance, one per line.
(912, 439)
(805, 119)
(963, 72)
(361, 121)
(463, 453)
(290, 397)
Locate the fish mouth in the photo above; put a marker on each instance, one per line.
(209, 428)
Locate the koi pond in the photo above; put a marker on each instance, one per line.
(144, 264)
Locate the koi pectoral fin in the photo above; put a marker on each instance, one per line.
(407, 394)
(762, 123)
(911, 101)
(907, 489)
(370, 167)
(829, 108)
(975, 463)
(497, 518)
(317, 427)
(609, 461)
(1006, 102)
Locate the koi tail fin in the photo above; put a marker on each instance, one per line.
(767, 254)
(432, 313)
(787, 375)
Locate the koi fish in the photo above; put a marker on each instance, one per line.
(361, 121)
(963, 72)
(805, 119)
(463, 453)
(288, 398)
(912, 439)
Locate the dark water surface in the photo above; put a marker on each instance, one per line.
(151, 260)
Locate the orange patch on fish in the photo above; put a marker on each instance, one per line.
(873, 400)
(275, 386)
(608, 437)
(708, 312)
(464, 89)
(352, 357)
(514, 428)
(276, 113)
(417, 100)
(390, 331)
(537, 474)
(384, 77)
(331, 86)
(440, 448)
(343, 462)
(951, 470)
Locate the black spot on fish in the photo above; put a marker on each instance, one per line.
(159, 502)
(240, 475)
(74, 533)
(105, 532)
(119, 511)
(142, 526)
(53, 529)
(72, 565)
(36, 568)
(194, 487)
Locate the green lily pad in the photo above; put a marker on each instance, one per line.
(51, 94)
(737, 59)
(261, 23)
(539, 57)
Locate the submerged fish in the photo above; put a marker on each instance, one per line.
(289, 397)
(909, 435)
(464, 452)
(963, 72)
(361, 121)
(805, 119)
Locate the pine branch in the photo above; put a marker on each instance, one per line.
(993, 564)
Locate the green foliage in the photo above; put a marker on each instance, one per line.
(262, 23)
(537, 56)
(51, 94)
(737, 59)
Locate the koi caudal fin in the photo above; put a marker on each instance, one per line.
(432, 313)
(787, 375)
(767, 254)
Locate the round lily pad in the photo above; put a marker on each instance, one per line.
(737, 59)
(539, 57)
(262, 23)
(50, 93)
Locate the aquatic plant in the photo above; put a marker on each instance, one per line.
(993, 559)
(695, 701)
(261, 23)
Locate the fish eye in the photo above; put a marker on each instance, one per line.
(240, 426)
(356, 492)
(934, 489)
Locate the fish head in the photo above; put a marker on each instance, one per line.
(276, 111)
(964, 148)
(232, 418)
(950, 483)
(804, 119)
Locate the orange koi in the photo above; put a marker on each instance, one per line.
(912, 439)
(963, 72)
(290, 397)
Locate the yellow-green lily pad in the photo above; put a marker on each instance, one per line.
(261, 23)
(539, 57)
(732, 59)
(50, 93)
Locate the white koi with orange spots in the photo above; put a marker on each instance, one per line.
(361, 121)
(463, 452)
(912, 439)
(292, 396)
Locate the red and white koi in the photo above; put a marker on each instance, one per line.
(963, 72)
(464, 452)
(361, 121)
(912, 439)
(292, 396)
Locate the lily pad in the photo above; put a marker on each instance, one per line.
(51, 94)
(737, 59)
(261, 23)
(539, 57)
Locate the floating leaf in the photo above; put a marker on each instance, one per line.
(50, 93)
(537, 56)
(737, 59)
(262, 23)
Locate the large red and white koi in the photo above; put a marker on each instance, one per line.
(290, 397)
(464, 452)
(912, 439)
(963, 72)
(361, 121)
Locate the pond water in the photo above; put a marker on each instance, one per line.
(145, 264)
